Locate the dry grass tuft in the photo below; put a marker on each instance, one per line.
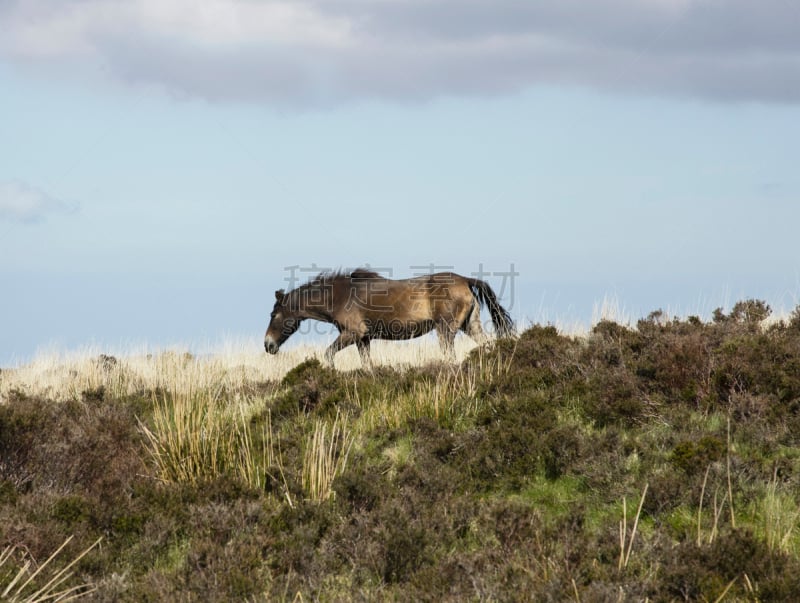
(325, 457)
(21, 583)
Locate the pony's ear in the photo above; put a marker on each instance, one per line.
(280, 294)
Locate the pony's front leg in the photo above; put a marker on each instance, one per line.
(345, 339)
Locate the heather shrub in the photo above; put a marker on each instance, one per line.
(500, 478)
(705, 571)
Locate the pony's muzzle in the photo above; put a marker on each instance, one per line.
(270, 346)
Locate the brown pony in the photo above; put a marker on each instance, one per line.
(363, 306)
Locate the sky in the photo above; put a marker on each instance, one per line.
(165, 163)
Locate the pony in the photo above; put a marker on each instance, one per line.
(364, 306)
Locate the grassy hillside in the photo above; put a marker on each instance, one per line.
(660, 462)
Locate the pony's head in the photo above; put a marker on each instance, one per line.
(284, 320)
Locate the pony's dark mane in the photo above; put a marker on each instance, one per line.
(328, 278)
(364, 273)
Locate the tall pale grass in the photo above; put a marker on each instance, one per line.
(59, 375)
(22, 581)
(326, 453)
(231, 366)
(190, 439)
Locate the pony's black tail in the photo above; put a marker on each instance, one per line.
(503, 325)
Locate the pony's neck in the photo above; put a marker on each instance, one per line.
(303, 302)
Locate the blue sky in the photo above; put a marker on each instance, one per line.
(162, 165)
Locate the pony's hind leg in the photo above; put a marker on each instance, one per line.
(363, 349)
(473, 328)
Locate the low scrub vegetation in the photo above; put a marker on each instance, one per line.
(655, 462)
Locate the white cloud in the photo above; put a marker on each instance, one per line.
(312, 52)
(20, 202)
